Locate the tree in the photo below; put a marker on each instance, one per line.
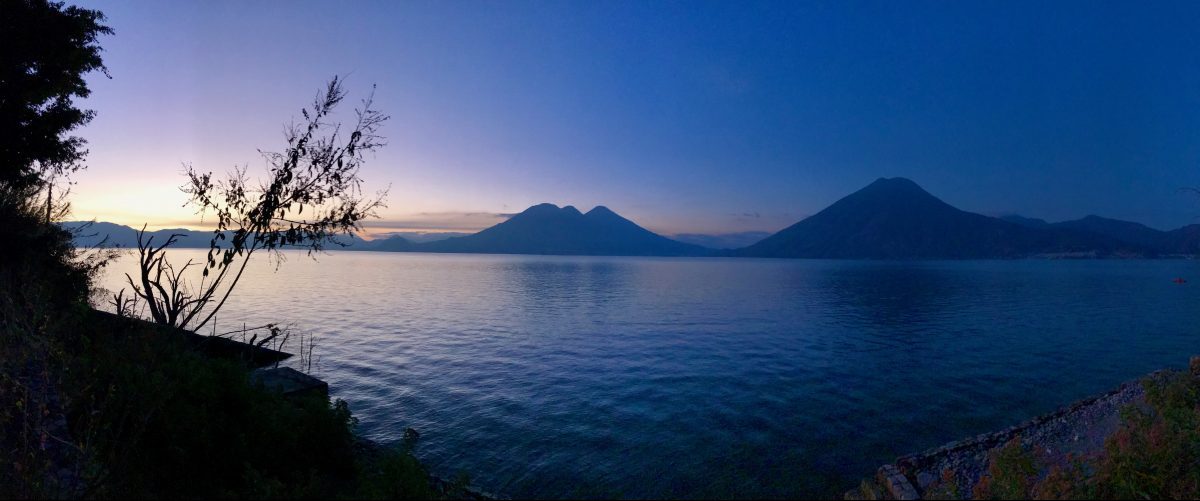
(311, 196)
(45, 50)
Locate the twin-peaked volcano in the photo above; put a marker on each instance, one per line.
(896, 219)
(548, 229)
(889, 219)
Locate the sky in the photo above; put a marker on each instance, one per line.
(686, 117)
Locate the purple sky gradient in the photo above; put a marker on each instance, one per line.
(687, 117)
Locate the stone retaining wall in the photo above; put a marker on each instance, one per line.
(1077, 429)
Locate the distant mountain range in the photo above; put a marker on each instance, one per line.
(889, 219)
(1178, 241)
(89, 234)
(549, 229)
(896, 219)
(724, 241)
(541, 229)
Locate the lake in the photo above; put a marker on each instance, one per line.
(551, 377)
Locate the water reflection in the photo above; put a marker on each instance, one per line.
(654, 377)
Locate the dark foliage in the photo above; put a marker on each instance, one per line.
(1154, 454)
(97, 409)
(317, 172)
(42, 281)
(45, 51)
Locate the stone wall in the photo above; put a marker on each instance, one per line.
(1077, 429)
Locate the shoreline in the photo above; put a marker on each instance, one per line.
(1076, 430)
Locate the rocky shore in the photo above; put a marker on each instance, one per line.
(292, 383)
(1076, 430)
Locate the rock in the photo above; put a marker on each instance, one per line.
(924, 479)
(896, 484)
(290, 382)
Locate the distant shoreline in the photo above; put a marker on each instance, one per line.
(729, 255)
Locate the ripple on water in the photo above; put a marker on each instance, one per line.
(656, 377)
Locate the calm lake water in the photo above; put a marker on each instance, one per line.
(663, 377)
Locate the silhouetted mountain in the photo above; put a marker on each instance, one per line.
(89, 234)
(1125, 231)
(896, 219)
(548, 229)
(1185, 240)
(389, 244)
(1029, 222)
(888, 219)
(724, 241)
(420, 237)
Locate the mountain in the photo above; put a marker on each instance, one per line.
(420, 237)
(389, 244)
(1125, 231)
(889, 219)
(723, 240)
(1029, 222)
(1185, 240)
(548, 229)
(896, 219)
(90, 234)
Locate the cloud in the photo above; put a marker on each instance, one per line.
(466, 214)
(420, 236)
(723, 240)
(438, 221)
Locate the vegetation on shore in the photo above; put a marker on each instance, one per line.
(1153, 454)
(96, 408)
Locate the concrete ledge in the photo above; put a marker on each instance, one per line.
(896, 484)
(1076, 429)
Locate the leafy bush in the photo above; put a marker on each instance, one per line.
(98, 410)
(162, 421)
(1012, 472)
(42, 280)
(1156, 452)
(945, 487)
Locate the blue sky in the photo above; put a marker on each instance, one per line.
(699, 117)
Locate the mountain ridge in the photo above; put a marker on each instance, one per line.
(894, 218)
(890, 218)
(548, 229)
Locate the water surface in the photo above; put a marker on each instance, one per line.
(662, 377)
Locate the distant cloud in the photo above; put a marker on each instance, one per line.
(469, 222)
(466, 214)
(420, 236)
(746, 221)
(723, 240)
